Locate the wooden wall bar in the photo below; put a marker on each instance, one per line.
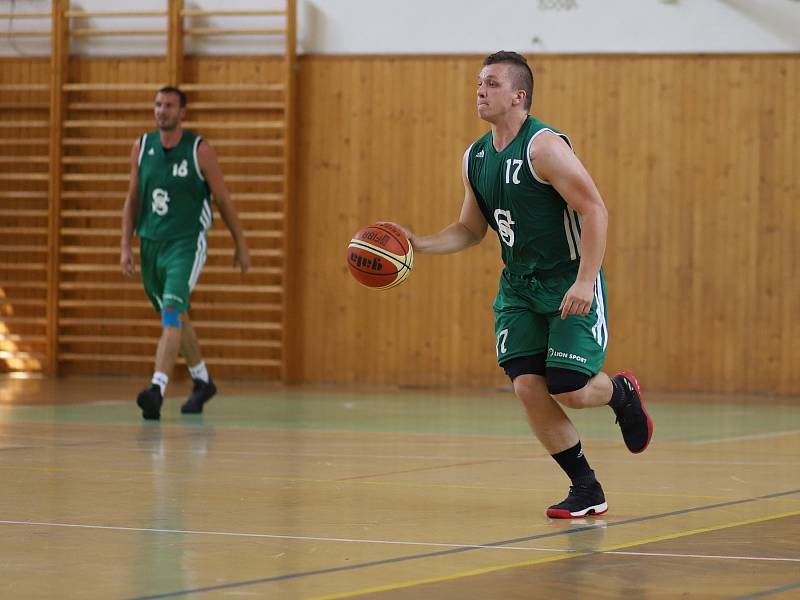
(695, 157)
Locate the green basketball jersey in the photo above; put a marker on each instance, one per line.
(175, 200)
(539, 233)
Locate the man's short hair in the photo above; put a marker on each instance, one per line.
(173, 90)
(523, 76)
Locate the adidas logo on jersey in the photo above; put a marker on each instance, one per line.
(151, 152)
(479, 154)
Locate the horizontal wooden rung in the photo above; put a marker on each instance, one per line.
(25, 159)
(215, 31)
(249, 143)
(119, 87)
(12, 212)
(116, 123)
(131, 339)
(144, 304)
(24, 176)
(107, 231)
(25, 105)
(95, 160)
(117, 32)
(37, 123)
(253, 178)
(14, 354)
(82, 286)
(90, 212)
(31, 285)
(22, 34)
(155, 322)
(29, 267)
(28, 248)
(190, 12)
(27, 141)
(101, 14)
(25, 338)
(25, 320)
(18, 231)
(138, 358)
(23, 302)
(114, 268)
(95, 177)
(25, 15)
(233, 87)
(24, 87)
(23, 195)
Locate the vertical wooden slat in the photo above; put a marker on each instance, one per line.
(58, 66)
(291, 301)
(175, 42)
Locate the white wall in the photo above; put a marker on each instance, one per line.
(454, 26)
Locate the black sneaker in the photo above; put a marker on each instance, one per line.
(202, 392)
(150, 400)
(635, 423)
(583, 499)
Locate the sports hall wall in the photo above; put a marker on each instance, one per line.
(695, 156)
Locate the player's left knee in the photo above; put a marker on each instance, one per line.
(567, 386)
(171, 317)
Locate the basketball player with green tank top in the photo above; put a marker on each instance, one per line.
(174, 174)
(524, 181)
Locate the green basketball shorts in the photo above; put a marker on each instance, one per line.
(171, 268)
(527, 322)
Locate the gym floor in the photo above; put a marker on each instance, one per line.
(285, 493)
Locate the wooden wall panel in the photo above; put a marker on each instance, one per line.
(695, 157)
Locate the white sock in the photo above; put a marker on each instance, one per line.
(199, 371)
(161, 380)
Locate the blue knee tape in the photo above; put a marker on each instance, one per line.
(170, 317)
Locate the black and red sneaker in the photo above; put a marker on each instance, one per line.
(584, 499)
(632, 416)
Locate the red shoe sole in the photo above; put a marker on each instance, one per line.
(632, 378)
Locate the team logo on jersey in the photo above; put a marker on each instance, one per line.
(160, 202)
(504, 223)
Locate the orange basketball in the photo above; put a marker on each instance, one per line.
(380, 256)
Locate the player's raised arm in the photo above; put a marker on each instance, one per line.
(468, 230)
(129, 211)
(555, 161)
(213, 174)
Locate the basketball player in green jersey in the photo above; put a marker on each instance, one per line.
(523, 179)
(174, 174)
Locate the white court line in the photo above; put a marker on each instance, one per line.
(395, 542)
(752, 436)
(282, 537)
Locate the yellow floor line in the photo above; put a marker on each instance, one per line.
(553, 558)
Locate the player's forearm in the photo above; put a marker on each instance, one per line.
(594, 227)
(453, 238)
(128, 218)
(230, 216)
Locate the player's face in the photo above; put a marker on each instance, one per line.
(496, 91)
(168, 111)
